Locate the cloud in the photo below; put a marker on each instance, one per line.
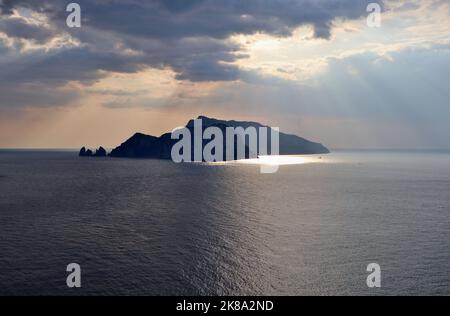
(6, 7)
(19, 28)
(189, 36)
(196, 18)
(405, 91)
(36, 95)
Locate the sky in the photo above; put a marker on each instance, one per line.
(314, 68)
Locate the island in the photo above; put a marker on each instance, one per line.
(147, 146)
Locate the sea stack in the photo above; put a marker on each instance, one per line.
(100, 152)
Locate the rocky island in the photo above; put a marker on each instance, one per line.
(147, 146)
(100, 152)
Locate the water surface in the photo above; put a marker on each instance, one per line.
(150, 227)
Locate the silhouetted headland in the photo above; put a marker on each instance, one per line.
(147, 146)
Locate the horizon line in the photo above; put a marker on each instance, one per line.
(331, 149)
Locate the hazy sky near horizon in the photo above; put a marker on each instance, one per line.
(311, 67)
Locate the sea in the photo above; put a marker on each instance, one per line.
(153, 227)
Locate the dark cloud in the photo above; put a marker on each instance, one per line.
(188, 36)
(6, 7)
(192, 18)
(157, 28)
(4, 49)
(77, 64)
(19, 28)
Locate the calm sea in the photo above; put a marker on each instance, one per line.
(151, 227)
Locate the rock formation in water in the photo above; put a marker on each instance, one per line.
(100, 152)
(82, 152)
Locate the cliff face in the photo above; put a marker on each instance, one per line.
(146, 146)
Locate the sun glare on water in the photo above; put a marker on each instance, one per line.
(278, 160)
(282, 160)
